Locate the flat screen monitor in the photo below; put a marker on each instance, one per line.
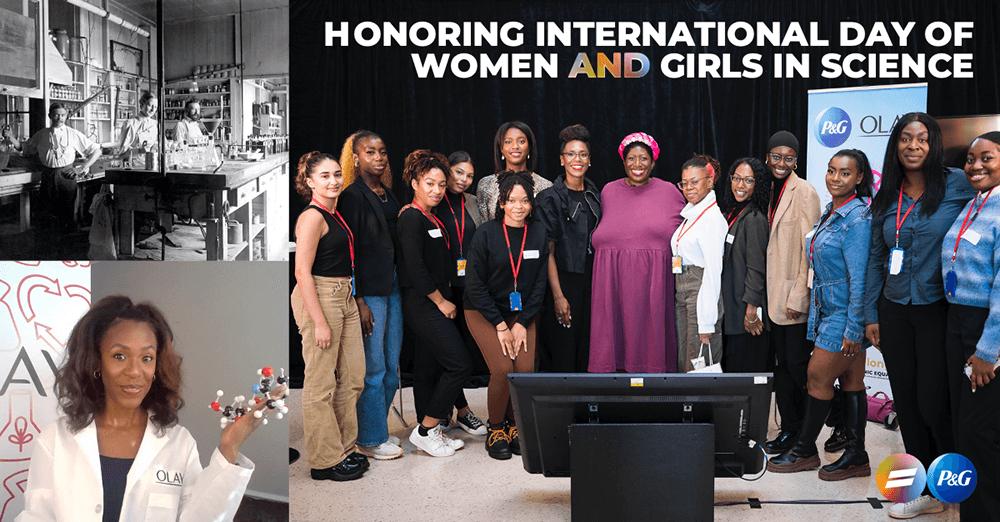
(546, 404)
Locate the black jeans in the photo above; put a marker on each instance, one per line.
(791, 350)
(745, 353)
(913, 338)
(977, 417)
(562, 349)
(441, 360)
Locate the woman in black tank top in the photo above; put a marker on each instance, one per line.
(327, 317)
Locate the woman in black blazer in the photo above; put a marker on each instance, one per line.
(442, 363)
(745, 191)
(371, 210)
(504, 288)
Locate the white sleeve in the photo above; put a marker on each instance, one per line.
(39, 496)
(180, 131)
(712, 240)
(213, 493)
(84, 145)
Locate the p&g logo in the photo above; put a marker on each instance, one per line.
(951, 478)
(833, 127)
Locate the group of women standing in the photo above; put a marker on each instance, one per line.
(740, 268)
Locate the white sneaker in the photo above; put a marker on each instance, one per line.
(394, 440)
(471, 424)
(455, 444)
(922, 505)
(384, 451)
(433, 443)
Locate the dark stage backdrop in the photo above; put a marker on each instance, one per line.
(338, 90)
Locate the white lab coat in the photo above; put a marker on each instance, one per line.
(166, 481)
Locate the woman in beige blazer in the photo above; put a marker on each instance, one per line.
(792, 212)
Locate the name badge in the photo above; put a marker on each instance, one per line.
(972, 236)
(531, 254)
(434, 232)
(515, 301)
(809, 279)
(460, 266)
(676, 266)
(730, 238)
(895, 261)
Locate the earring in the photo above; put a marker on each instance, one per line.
(97, 374)
(503, 158)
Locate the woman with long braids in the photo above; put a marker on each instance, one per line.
(371, 210)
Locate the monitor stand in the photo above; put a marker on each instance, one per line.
(642, 471)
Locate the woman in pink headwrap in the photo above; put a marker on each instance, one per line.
(634, 328)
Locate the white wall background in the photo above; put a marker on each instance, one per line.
(228, 319)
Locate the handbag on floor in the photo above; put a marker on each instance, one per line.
(882, 409)
(699, 363)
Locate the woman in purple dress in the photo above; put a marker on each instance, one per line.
(633, 325)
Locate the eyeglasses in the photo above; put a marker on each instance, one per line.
(749, 182)
(574, 155)
(690, 183)
(776, 158)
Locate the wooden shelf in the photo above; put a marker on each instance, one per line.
(177, 94)
(256, 229)
(64, 99)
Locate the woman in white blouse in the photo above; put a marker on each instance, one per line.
(698, 245)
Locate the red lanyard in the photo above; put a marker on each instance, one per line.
(812, 242)
(343, 224)
(774, 206)
(966, 223)
(515, 269)
(732, 221)
(437, 222)
(459, 229)
(684, 230)
(899, 207)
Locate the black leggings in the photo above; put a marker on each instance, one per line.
(441, 360)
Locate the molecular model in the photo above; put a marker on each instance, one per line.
(262, 392)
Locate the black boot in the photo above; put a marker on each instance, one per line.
(854, 461)
(803, 456)
(838, 438)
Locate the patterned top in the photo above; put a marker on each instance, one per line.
(488, 191)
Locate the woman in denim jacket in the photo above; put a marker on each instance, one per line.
(836, 320)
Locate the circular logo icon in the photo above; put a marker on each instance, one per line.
(833, 127)
(951, 478)
(901, 477)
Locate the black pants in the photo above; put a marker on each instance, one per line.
(791, 350)
(441, 361)
(913, 338)
(59, 188)
(745, 353)
(977, 419)
(564, 349)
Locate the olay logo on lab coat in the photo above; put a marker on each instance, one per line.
(169, 478)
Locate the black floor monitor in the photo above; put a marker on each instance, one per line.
(546, 405)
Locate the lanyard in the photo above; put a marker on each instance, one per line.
(515, 269)
(967, 223)
(732, 221)
(684, 230)
(459, 229)
(343, 224)
(437, 223)
(899, 207)
(773, 207)
(812, 242)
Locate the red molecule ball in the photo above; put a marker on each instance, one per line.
(215, 406)
(267, 371)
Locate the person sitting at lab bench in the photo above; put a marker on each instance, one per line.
(117, 452)
(56, 148)
(188, 129)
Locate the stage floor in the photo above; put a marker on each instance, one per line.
(471, 485)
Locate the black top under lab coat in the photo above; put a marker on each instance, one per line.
(489, 279)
